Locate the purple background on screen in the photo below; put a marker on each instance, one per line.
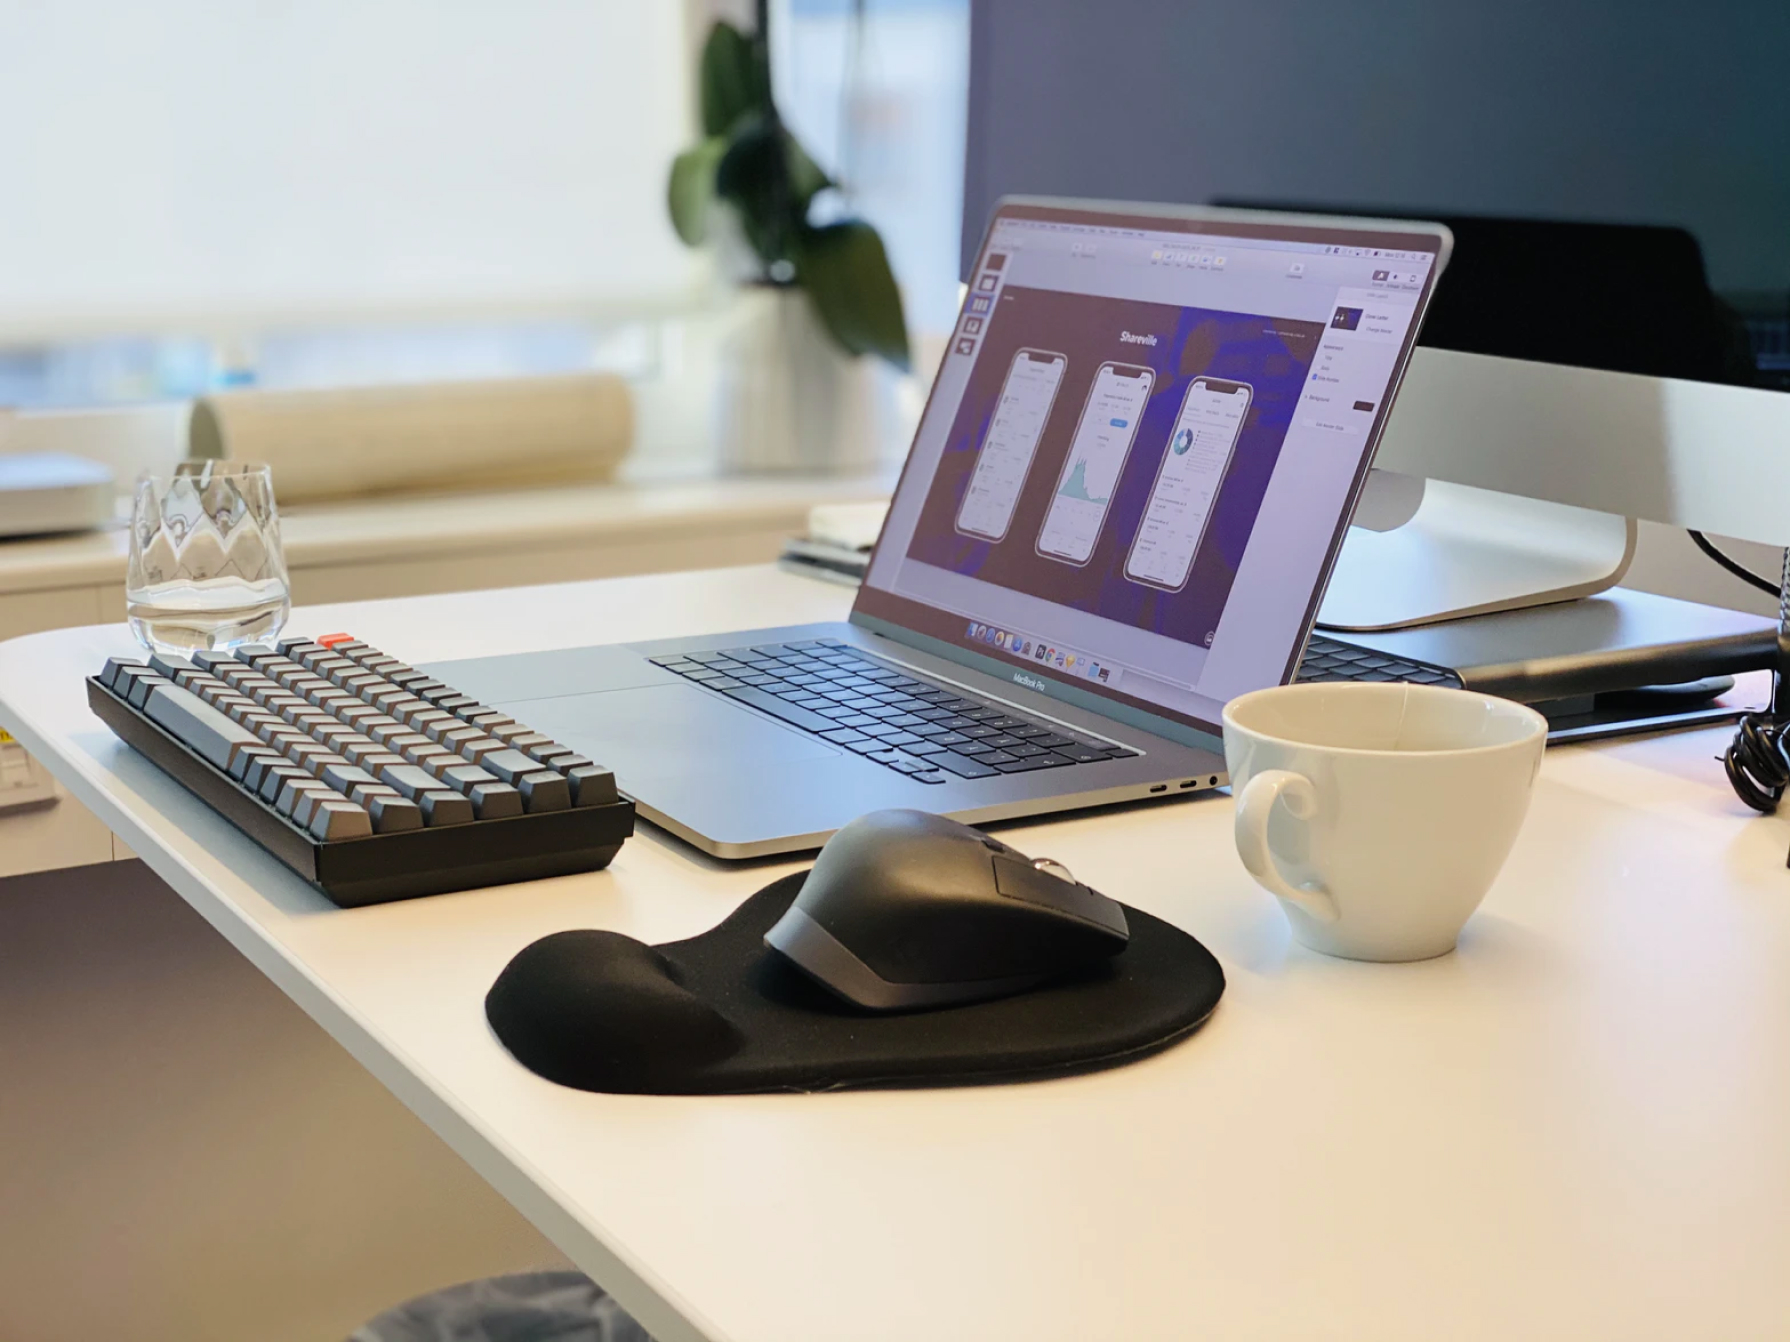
(1273, 355)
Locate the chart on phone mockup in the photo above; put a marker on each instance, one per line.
(1187, 483)
(1011, 442)
(1097, 455)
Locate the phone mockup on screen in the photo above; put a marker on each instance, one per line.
(1199, 452)
(1096, 459)
(1013, 432)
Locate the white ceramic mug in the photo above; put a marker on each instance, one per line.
(1379, 814)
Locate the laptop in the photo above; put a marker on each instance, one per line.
(1119, 511)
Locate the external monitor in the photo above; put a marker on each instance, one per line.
(1614, 331)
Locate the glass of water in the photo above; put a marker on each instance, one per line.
(206, 568)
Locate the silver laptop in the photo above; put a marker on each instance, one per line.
(1121, 506)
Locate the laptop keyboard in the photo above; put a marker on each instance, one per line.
(1327, 659)
(931, 732)
(927, 731)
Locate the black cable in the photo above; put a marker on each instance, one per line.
(1740, 571)
(1756, 763)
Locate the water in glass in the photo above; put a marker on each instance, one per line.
(206, 568)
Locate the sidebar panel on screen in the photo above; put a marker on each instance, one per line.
(1006, 456)
(1193, 467)
(1096, 458)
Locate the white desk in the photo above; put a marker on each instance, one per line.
(1576, 1126)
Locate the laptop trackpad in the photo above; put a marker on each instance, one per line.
(665, 729)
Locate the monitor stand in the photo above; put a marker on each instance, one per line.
(1466, 551)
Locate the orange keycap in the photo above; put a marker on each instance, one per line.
(330, 640)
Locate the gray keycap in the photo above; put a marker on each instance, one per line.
(295, 791)
(475, 751)
(333, 821)
(318, 763)
(141, 685)
(544, 791)
(393, 814)
(509, 765)
(495, 801)
(433, 758)
(591, 785)
(464, 777)
(445, 808)
(410, 781)
(196, 723)
(170, 664)
(273, 780)
(256, 763)
(109, 676)
(345, 777)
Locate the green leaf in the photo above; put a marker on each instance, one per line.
(806, 180)
(691, 190)
(846, 272)
(734, 79)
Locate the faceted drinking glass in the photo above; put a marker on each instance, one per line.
(206, 568)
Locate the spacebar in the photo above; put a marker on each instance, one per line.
(770, 703)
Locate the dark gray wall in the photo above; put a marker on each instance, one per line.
(1612, 110)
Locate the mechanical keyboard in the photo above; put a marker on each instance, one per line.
(886, 713)
(369, 778)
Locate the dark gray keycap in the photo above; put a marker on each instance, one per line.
(495, 801)
(393, 814)
(445, 808)
(591, 785)
(544, 791)
(201, 727)
(928, 776)
(777, 708)
(961, 765)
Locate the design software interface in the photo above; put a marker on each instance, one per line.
(1139, 448)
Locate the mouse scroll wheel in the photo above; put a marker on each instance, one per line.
(1051, 867)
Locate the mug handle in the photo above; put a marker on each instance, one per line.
(1254, 805)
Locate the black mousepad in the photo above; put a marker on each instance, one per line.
(720, 1014)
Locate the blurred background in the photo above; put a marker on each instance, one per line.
(280, 195)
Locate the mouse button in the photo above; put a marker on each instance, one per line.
(1023, 881)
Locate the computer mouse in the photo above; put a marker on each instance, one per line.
(905, 910)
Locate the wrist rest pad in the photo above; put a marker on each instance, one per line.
(720, 1014)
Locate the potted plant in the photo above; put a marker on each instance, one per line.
(819, 295)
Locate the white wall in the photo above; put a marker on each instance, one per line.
(232, 166)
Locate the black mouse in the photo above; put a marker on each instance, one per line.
(905, 910)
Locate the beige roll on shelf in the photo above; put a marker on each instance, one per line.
(343, 442)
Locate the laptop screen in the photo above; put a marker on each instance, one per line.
(1142, 446)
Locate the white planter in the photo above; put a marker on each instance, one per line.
(788, 400)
